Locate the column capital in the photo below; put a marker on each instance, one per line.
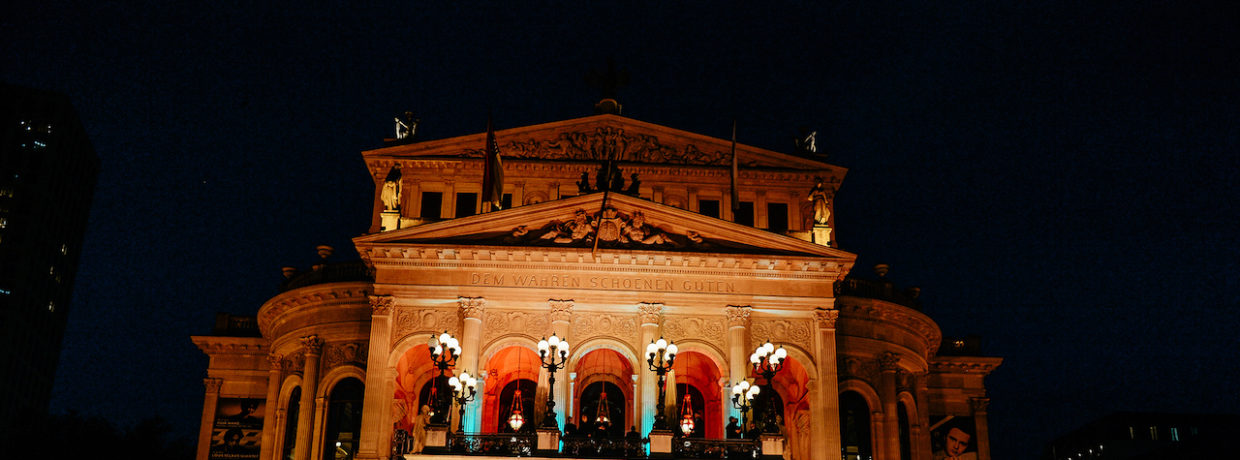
(213, 385)
(979, 405)
(275, 361)
(738, 315)
(313, 344)
(381, 304)
(471, 307)
(650, 312)
(888, 361)
(826, 317)
(561, 309)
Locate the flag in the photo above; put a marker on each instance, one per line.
(493, 174)
(736, 195)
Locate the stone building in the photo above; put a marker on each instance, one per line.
(654, 248)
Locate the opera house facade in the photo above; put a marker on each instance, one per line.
(663, 262)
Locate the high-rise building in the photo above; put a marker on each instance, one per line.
(47, 177)
(630, 241)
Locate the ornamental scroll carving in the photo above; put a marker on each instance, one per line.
(561, 310)
(605, 143)
(826, 318)
(709, 329)
(796, 332)
(864, 369)
(888, 361)
(738, 315)
(586, 326)
(346, 353)
(499, 323)
(411, 320)
(650, 313)
(313, 344)
(275, 361)
(296, 362)
(213, 385)
(381, 304)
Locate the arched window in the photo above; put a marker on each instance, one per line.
(344, 420)
(906, 442)
(290, 423)
(699, 409)
(591, 398)
(527, 387)
(855, 427)
(768, 407)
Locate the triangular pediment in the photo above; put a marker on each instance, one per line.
(628, 223)
(600, 138)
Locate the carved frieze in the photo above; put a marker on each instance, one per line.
(499, 323)
(738, 315)
(796, 332)
(346, 353)
(606, 143)
(888, 361)
(561, 309)
(296, 362)
(586, 326)
(710, 329)
(613, 227)
(410, 320)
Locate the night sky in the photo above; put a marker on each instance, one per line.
(1058, 177)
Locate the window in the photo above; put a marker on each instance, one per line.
(466, 204)
(744, 215)
(342, 432)
(507, 201)
(1153, 433)
(709, 208)
(432, 205)
(290, 423)
(777, 217)
(1175, 434)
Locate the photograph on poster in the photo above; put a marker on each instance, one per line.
(951, 438)
(238, 429)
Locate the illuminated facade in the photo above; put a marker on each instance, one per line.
(342, 362)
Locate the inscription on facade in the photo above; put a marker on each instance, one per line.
(667, 284)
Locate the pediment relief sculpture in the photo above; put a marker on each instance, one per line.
(606, 143)
(612, 227)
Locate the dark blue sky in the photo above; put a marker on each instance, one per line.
(1059, 177)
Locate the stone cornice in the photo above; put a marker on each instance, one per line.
(216, 345)
(964, 365)
(893, 315)
(327, 293)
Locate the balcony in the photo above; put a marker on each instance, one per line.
(523, 445)
(327, 272)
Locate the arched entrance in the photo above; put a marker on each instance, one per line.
(592, 410)
(788, 405)
(509, 369)
(594, 369)
(343, 430)
(855, 427)
(697, 372)
(413, 390)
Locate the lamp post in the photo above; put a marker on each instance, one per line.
(659, 356)
(464, 388)
(767, 361)
(742, 398)
(554, 353)
(444, 351)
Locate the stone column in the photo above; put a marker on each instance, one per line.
(888, 364)
(320, 428)
(982, 426)
(561, 323)
(825, 401)
(569, 415)
(650, 315)
(636, 377)
(270, 426)
(309, 385)
(388, 430)
(738, 354)
(208, 416)
(921, 448)
(470, 310)
(376, 406)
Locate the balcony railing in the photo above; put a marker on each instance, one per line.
(716, 448)
(881, 290)
(582, 447)
(329, 273)
(500, 445)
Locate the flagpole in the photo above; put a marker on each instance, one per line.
(598, 220)
(736, 196)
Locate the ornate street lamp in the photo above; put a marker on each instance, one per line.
(742, 398)
(659, 356)
(444, 351)
(767, 361)
(554, 353)
(464, 388)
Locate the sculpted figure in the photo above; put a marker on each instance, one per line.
(636, 231)
(419, 429)
(822, 206)
(583, 185)
(390, 196)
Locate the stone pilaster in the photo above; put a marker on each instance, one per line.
(561, 316)
(738, 349)
(888, 364)
(309, 385)
(471, 310)
(650, 314)
(982, 425)
(267, 446)
(208, 416)
(825, 400)
(921, 448)
(375, 407)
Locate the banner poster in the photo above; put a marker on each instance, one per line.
(951, 438)
(238, 429)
